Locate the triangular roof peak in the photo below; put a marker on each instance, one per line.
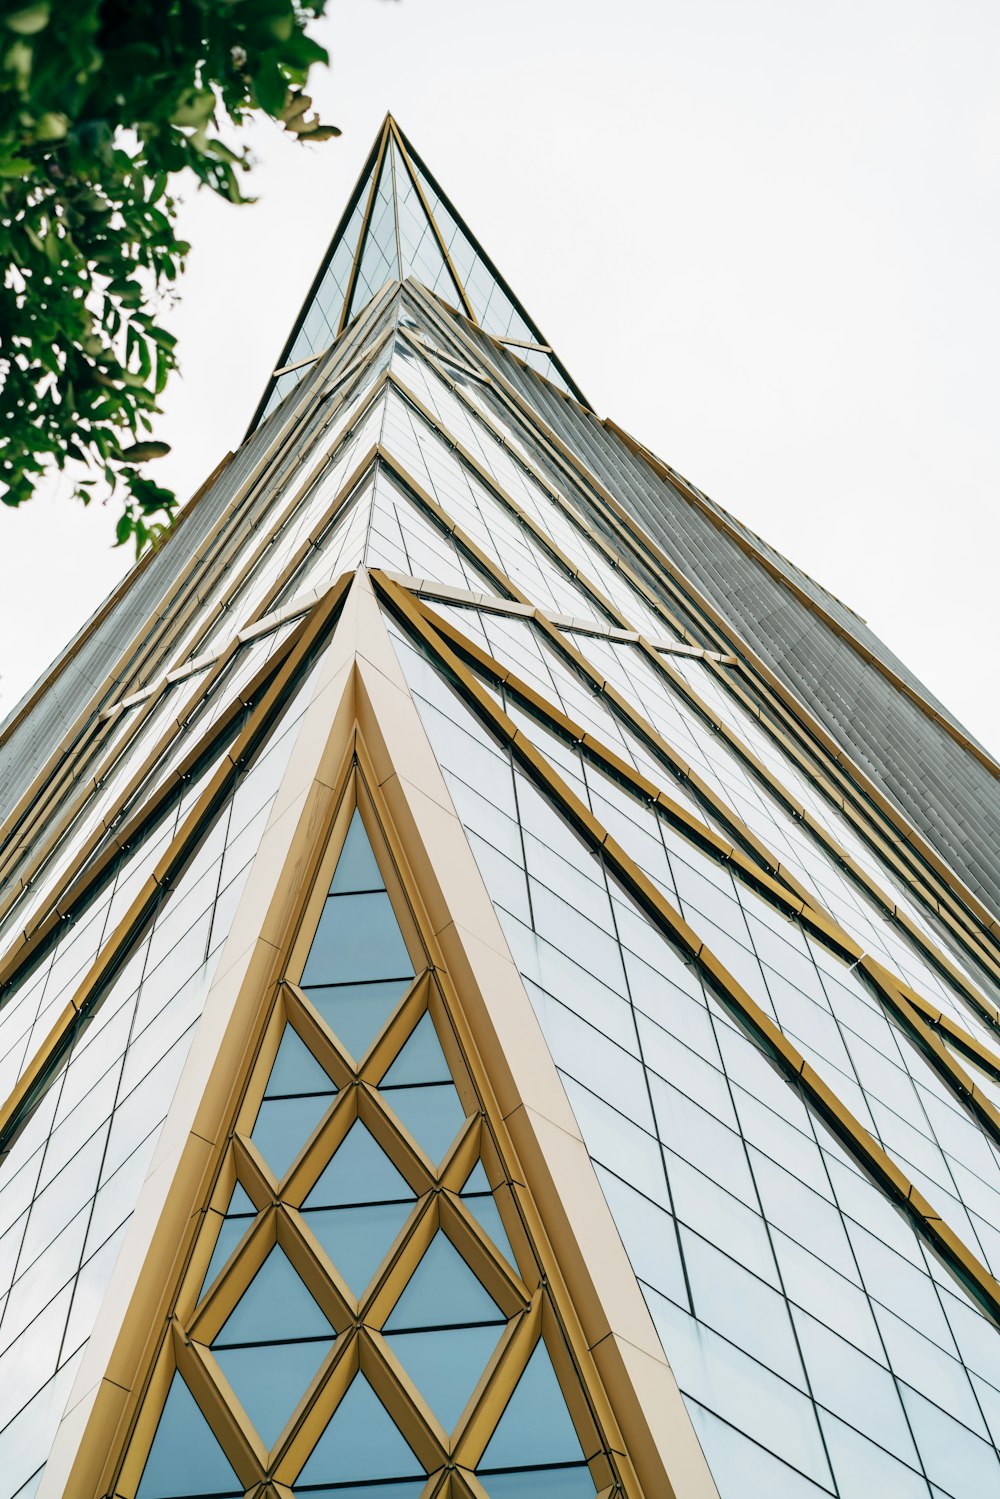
(398, 223)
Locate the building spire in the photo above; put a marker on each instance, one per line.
(398, 223)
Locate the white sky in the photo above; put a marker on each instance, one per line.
(764, 238)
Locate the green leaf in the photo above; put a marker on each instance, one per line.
(194, 107)
(123, 530)
(142, 452)
(51, 127)
(270, 87)
(30, 19)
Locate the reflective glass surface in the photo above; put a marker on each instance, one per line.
(818, 1342)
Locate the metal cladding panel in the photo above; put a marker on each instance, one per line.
(24, 750)
(949, 796)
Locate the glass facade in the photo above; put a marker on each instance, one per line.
(401, 225)
(774, 1017)
(414, 1285)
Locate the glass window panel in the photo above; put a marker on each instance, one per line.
(234, 1226)
(283, 1126)
(487, 1215)
(362, 1442)
(740, 1390)
(741, 1307)
(649, 1236)
(742, 1467)
(854, 1387)
(357, 1012)
(359, 1172)
(443, 1291)
(954, 1458)
(357, 868)
(432, 1114)
(421, 1059)
(275, 1305)
(357, 1239)
(864, 1469)
(543, 1483)
(445, 1365)
(535, 1426)
(269, 1380)
(358, 938)
(185, 1459)
(296, 1070)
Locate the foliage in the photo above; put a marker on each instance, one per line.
(103, 104)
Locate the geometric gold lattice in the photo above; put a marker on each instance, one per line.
(363, 1315)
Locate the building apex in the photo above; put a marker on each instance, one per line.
(399, 223)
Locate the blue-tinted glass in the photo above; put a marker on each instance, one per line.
(240, 1204)
(358, 938)
(230, 1234)
(487, 1215)
(185, 1458)
(432, 1115)
(357, 1012)
(284, 1125)
(269, 1380)
(442, 1291)
(361, 1442)
(363, 1490)
(275, 1306)
(296, 1070)
(478, 1180)
(535, 1426)
(421, 1060)
(445, 1366)
(357, 868)
(543, 1483)
(359, 1172)
(358, 1239)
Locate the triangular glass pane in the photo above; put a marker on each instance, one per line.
(357, 868)
(535, 1426)
(359, 1172)
(432, 1115)
(487, 1215)
(239, 1216)
(477, 1181)
(379, 258)
(442, 1291)
(320, 322)
(284, 1125)
(270, 1379)
(421, 1060)
(357, 1240)
(185, 1458)
(420, 250)
(276, 1306)
(445, 1365)
(357, 1012)
(296, 1070)
(361, 1443)
(358, 938)
(241, 1205)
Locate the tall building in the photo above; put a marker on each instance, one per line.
(499, 969)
